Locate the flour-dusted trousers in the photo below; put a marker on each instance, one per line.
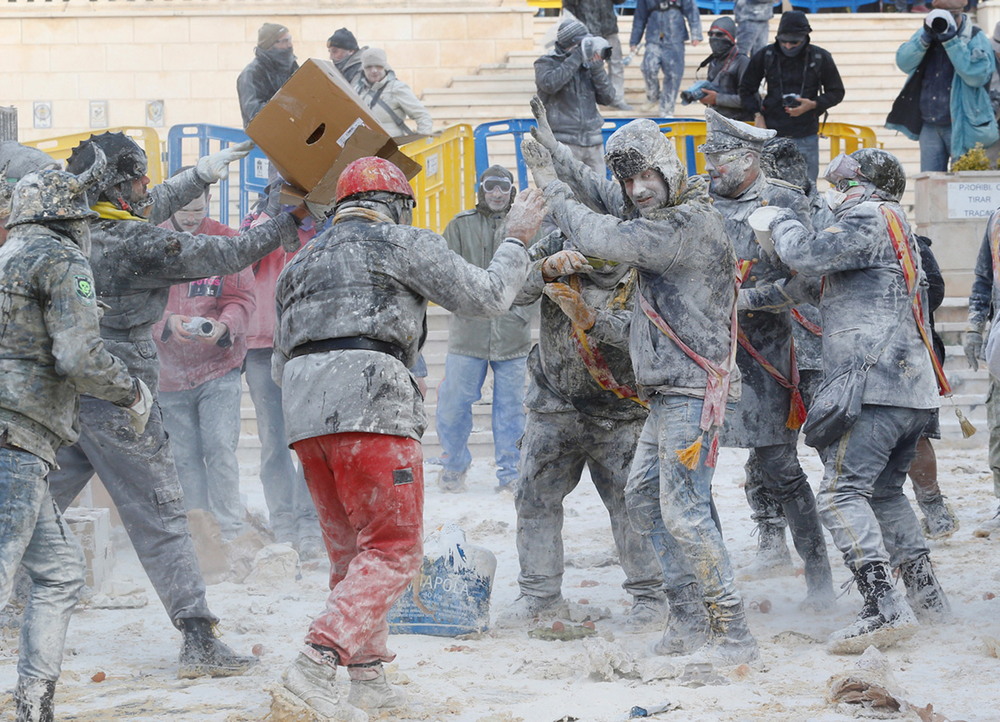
(369, 493)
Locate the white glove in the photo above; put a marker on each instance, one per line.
(140, 410)
(538, 158)
(215, 166)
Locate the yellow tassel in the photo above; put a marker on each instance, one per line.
(967, 428)
(796, 412)
(689, 457)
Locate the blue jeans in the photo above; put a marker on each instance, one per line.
(809, 148)
(289, 505)
(462, 386)
(33, 534)
(861, 498)
(935, 147)
(203, 424)
(673, 504)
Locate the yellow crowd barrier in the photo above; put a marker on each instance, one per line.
(61, 147)
(447, 183)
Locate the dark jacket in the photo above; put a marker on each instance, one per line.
(258, 83)
(811, 74)
(725, 73)
(598, 15)
(350, 67)
(571, 93)
(981, 298)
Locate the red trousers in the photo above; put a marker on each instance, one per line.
(369, 495)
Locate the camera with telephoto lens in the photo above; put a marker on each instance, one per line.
(790, 100)
(200, 326)
(697, 91)
(939, 21)
(592, 45)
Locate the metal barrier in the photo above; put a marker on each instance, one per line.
(252, 170)
(847, 138)
(61, 147)
(686, 133)
(447, 184)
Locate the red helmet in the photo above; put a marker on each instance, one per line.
(372, 174)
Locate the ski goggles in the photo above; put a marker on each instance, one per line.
(497, 184)
(842, 171)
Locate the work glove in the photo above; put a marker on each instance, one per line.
(542, 132)
(215, 166)
(565, 263)
(539, 161)
(525, 216)
(972, 344)
(572, 304)
(140, 409)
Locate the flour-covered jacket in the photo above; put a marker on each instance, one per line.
(685, 261)
(761, 414)
(864, 297)
(395, 102)
(753, 10)
(135, 263)
(571, 93)
(50, 347)
(369, 277)
(559, 378)
(476, 235)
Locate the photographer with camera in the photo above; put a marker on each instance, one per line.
(945, 103)
(803, 83)
(726, 64)
(571, 81)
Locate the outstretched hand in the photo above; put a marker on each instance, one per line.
(525, 215)
(539, 161)
(542, 132)
(215, 167)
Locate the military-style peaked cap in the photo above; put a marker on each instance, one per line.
(727, 134)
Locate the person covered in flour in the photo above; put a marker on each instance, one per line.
(878, 393)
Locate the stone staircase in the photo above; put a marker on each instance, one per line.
(863, 46)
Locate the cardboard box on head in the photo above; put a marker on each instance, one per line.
(316, 125)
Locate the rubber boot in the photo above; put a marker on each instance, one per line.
(939, 520)
(312, 679)
(884, 619)
(731, 641)
(33, 699)
(807, 536)
(370, 690)
(204, 655)
(688, 626)
(923, 591)
(773, 558)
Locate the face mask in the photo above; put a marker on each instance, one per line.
(720, 46)
(791, 52)
(282, 57)
(834, 198)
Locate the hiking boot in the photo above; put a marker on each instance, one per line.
(33, 699)
(989, 526)
(773, 558)
(370, 690)
(884, 619)
(312, 679)
(526, 609)
(204, 655)
(923, 592)
(688, 625)
(451, 482)
(939, 520)
(730, 641)
(646, 614)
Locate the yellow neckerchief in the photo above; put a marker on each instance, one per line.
(110, 212)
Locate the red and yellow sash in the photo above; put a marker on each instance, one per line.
(806, 323)
(797, 407)
(904, 252)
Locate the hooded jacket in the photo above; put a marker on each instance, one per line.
(50, 346)
(571, 93)
(259, 81)
(685, 260)
(476, 235)
(229, 299)
(725, 71)
(401, 101)
(811, 74)
(972, 117)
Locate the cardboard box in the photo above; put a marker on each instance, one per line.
(316, 125)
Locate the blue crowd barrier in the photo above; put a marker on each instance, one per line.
(518, 127)
(253, 169)
(721, 7)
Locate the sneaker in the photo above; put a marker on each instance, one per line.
(312, 680)
(646, 614)
(451, 482)
(939, 520)
(370, 690)
(526, 609)
(988, 527)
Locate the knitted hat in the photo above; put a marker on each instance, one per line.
(793, 22)
(727, 25)
(268, 34)
(343, 39)
(374, 56)
(570, 31)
